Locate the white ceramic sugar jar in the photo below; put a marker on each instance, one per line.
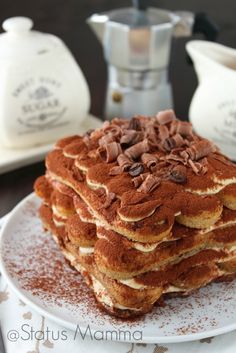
(43, 93)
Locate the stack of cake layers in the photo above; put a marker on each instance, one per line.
(143, 208)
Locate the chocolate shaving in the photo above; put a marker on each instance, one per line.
(130, 137)
(165, 116)
(138, 149)
(109, 199)
(86, 137)
(119, 122)
(204, 170)
(200, 149)
(149, 184)
(149, 160)
(136, 169)
(173, 127)
(150, 131)
(140, 138)
(151, 135)
(104, 140)
(105, 125)
(177, 158)
(110, 152)
(179, 141)
(162, 164)
(96, 134)
(194, 166)
(179, 174)
(137, 181)
(112, 129)
(86, 140)
(184, 156)
(204, 161)
(160, 168)
(169, 144)
(163, 133)
(184, 128)
(199, 168)
(124, 162)
(134, 124)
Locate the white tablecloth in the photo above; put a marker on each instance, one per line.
(25, 331)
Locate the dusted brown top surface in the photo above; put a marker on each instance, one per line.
(139, 176)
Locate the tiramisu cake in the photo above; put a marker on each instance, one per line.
(143, 209)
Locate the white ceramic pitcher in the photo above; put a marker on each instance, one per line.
(213, 107)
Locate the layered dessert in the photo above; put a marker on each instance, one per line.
(144, 209)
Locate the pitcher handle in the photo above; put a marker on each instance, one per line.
(203, 24)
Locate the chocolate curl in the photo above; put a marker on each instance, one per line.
(179, 141)
(173, 127)
(179, 174)
(96, 134)
(184, 128)
(161, 169)
(150, 130)
(149, 160)
(153, 142)
(110, 152)
(119, 122)
(163, 133)
(106, 124)
(130, 137)
(114, 130)
(137, 181)
(184, 155)
(149, 184)
(109, 199)
(165, 116)
(169, 144)
(124, 162)
(199, 168)
(104, 140)
(87, 135)
(151, 135)
(177, 158)
(135, 124)
(86, 140)
(173, 142)
(200, 149)
(194, 166)
(137, 150)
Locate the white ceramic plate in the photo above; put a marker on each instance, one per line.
(36, 270)
(11, 159)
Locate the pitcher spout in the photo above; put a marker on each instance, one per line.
(97, 23)
(199, 53)
(210, 58)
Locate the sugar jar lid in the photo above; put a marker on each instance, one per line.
(19, 41)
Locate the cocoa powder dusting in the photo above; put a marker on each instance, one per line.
(50, 280)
